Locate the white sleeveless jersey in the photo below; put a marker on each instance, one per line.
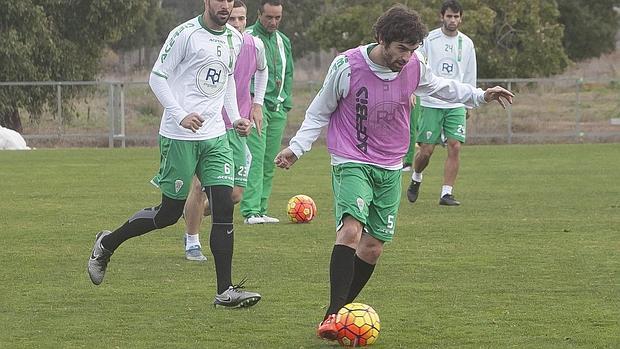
(197, 63)
(450, 57)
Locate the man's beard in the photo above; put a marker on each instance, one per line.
(394, 65)
(217, 20)
(447, 28)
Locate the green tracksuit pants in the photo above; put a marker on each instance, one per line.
(415, 116)
(264, 150)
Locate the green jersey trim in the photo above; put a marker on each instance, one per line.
(370, 47)
(231, 48)
(282, 52)
(168, 47)
(160, 74)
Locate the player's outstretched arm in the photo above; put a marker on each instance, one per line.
(285, 158)
(499, 94)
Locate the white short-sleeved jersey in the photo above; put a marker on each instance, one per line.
(197, 63)
(451, 57)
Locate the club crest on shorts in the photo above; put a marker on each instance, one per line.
(178, 184)
(360, 204)
(429, 134)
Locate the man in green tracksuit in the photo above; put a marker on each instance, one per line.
(278, 101)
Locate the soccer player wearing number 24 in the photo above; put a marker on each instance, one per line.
(365, 103)
(450, 54)
(193, 80)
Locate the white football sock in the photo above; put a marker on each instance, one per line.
(446, 189)
(416, 176)
(192, 240)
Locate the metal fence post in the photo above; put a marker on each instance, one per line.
(111, 115)
(59, 109)
(509, 111)
(578, 133)
(122, 114)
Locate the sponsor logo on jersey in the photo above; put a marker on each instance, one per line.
(386, 115)
(172, 40)
(212, 78)
(448, 68)
(361, 115)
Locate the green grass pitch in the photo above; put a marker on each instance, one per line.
(530, 260)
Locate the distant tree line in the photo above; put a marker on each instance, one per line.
(65, 40)
(513, 38)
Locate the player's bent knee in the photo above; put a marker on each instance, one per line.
(370, 247)
(426, 151)
(374, 252)
(167, 218)
(454, 143)
(369, 255)
(348, 235)
(169, 212)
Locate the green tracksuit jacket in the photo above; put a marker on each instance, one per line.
(278, 101)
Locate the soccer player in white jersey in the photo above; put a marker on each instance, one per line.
(251, 63)
(451, 55)
(192, 79)
(365, 101)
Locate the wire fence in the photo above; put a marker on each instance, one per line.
(120, 114)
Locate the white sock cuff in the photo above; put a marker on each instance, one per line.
(446, 189)
(192, 240)
(416, 176)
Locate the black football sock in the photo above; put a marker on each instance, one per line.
(363, 272)
(144, 221)
(221, 244)
(222, 236)
(340, 277)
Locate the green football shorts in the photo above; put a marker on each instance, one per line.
(434, 121)
(369, 194)
(241, 157)
(211, 161)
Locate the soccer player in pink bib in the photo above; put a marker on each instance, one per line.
(365, 103)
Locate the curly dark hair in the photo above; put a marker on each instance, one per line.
(401, 24)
